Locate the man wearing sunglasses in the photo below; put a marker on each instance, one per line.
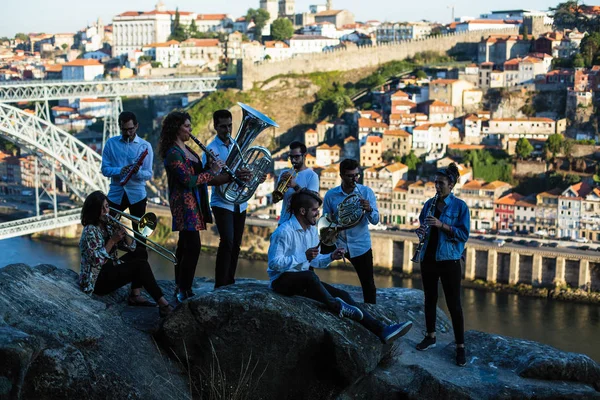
(120, 157)
(303, 177)
(356, 240)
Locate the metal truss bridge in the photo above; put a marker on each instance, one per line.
(12, 92)
(57, 152)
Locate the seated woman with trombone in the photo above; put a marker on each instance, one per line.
(102, 272)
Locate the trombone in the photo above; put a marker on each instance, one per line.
(146, 226)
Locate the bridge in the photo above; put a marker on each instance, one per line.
(57, 151)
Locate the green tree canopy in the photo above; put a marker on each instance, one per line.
(554, 144)
(178, 33)
(420, 74)
(411, 161)
(260, 18)
(568, 15)
(590, 48)
(193, 28)
(524, 148)
(23, 37)
(282, 29)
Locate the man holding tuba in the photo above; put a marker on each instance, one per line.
(125, 155)
(356, 240)
(230, 218)
(291, 182)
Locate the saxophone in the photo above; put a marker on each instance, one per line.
(422, 238)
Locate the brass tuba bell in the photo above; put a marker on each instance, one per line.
(256, 159)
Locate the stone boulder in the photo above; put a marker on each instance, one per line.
(245, 341)
(58, 343)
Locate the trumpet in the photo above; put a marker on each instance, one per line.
(417, 256)
(282, 187)
(146, 225)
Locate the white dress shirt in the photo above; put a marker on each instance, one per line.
(118, 153)
(287, 251)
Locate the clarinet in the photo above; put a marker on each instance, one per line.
(417, 256)
(226, 169)
(138, 163)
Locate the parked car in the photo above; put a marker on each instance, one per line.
(499, 242)
(552, 244)
(479, 237)
(521, 242)
(508, 240)
(393, 228)
(504, 231)
(263, 216)
(534, 243)
(582, 240)
(585, 247)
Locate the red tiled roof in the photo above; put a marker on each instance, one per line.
(82, 63)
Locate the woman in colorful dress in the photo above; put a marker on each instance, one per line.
(102, 271)
(188, 195)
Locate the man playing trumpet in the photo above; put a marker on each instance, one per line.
(294, 249)
(357, 240)
(290, 183)
(120, 157)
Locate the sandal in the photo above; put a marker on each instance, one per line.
(140, 301)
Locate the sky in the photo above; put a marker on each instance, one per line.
(64, 16)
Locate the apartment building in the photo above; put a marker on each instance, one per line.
(570, 204)
(546, 211)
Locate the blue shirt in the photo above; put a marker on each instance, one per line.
(456, 215)
(287, 251)
(305, 179)
(222, 151)
(118, 153)
(356, 240)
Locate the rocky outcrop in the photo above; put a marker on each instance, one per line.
(245, 341)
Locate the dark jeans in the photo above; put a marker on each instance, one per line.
(450, 274)
(363, 265)
(231, 229)
(187, 253)
(137, 210)
(308, 284)
(134, 269)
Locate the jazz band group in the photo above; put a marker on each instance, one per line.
(301, 243)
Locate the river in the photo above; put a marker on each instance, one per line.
(566, 326)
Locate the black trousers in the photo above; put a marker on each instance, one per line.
(363, 265)
(231, 229)
(449, 272)
(137, 210)
(187, 254)
(133, 270)
(308, 284)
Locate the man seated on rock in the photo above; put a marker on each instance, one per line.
(295, 248)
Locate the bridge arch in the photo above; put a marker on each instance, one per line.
(80, 165)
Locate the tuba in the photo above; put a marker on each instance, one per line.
(256, 159)
(349, 214)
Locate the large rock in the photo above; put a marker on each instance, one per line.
(56, 342)
(247, 341)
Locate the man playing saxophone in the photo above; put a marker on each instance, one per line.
(445, 232)
(356, 240)
(291, 182)
(120, 157)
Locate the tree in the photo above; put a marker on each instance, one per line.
(22, 37)
(282, 29)
(568, 15)
(524, 148)
(64, 46)
(554, 144)
(178, 33)
(525, 32)
(411, 161)
(260, 18)
(589, 48)
(578, 61)
(193, 28)
(420, 74)
(567, 149)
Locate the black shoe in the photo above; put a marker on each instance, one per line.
(461, 358)
(394, 331)
(426, 344)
